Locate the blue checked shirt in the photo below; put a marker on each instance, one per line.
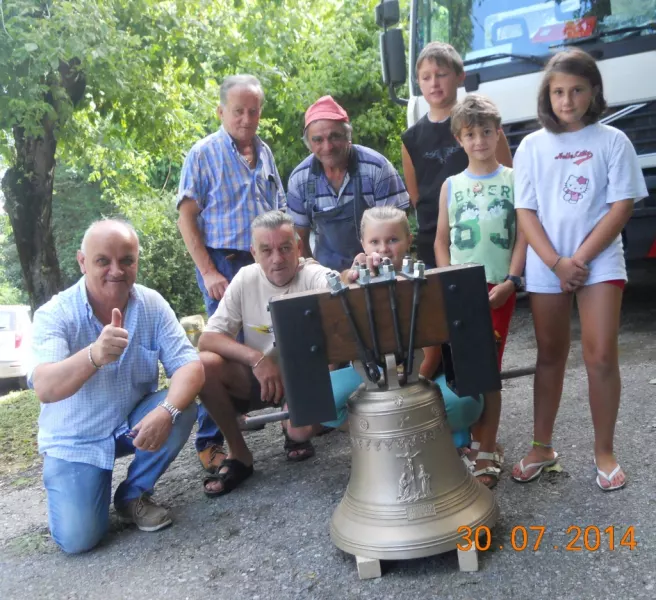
(83, 427)
(381, 184)
(228, 192)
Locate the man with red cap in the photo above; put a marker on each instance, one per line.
(328, 192)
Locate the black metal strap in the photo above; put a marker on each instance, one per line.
(366, 356)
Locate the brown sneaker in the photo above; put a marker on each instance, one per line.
(145, 514)
(212, 457)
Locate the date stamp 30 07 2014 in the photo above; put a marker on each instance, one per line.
(590, 538)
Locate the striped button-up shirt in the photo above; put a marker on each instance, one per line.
(229, 193)
(381, 184)
(84, 427)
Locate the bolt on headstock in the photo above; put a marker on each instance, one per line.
(407, 265)
(387, 270)
(335, 282)
(364, 275)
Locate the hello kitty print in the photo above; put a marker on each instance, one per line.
(575, 188)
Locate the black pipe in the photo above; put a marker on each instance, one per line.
(283, 415)
(519, 372)
(271, 417)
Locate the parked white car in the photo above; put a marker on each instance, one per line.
(15, 340)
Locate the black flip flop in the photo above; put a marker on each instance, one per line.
(236, 474)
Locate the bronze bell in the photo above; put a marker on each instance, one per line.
(409, 491)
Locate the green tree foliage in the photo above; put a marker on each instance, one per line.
(164, 263)
(446, 21)
(125, 87)
(76, 204)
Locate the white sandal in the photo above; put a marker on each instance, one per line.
(608, 478)
(541, 466)
(495, 456)
(494, 472)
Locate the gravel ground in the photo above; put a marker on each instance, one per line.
(270, 538)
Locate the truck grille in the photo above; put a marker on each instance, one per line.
(516, 132)
(638, 121)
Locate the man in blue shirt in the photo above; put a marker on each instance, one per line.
(228, 179)
(328, 192)
(94, 368)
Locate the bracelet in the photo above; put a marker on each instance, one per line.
(541, 445)
(172, 410)
(258, 362)
(516, 281)
(553, 269)
(91, 358)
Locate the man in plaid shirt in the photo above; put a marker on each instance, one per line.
(228, 179)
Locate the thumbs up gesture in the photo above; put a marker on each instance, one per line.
(111, 342)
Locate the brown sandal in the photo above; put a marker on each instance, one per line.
(303, 450)
(212, 457)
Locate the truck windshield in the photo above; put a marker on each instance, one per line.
(514, 29)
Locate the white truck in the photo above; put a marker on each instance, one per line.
(505, 44)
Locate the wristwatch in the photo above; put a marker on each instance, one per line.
(517, 282)
(172, 410)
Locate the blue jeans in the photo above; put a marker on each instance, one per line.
(461, 413)
(208, 433)
(79, 494)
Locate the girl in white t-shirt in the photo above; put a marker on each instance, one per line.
(576, 181)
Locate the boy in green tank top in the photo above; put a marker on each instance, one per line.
(477, 224)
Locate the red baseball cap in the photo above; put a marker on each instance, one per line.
(325, 108)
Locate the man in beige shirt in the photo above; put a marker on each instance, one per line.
(242, 377)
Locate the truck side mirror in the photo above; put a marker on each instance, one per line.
(392, 55)
(392, 48)
(387, 13)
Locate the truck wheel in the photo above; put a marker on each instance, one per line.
(22, 382)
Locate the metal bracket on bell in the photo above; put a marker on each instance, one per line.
(389, 273)
(338, 288)
(415, 271)
(386, 276)
(391, 373)
(365, 281)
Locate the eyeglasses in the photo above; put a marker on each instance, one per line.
(333, 138)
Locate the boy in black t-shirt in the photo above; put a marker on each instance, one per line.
(429, 151)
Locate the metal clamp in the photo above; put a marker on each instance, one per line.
(368, 360)
(364, 280)
(415, 271)
(388, 273)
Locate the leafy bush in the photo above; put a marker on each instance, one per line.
(164, 263)
(76, 204)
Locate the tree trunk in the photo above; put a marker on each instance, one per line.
(27, 186)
